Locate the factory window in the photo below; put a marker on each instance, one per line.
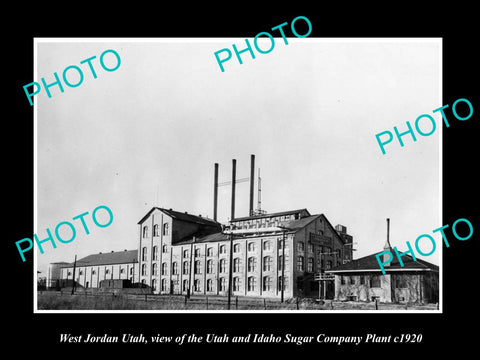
(185, 254)
(320, 232)
(93, 272)
(236, 284)
(210, 251)
(310, 264)
(223, 284)
(267, 283)
(209, 285)
(196, 285)
(197, 252)
(375, 281)
(343, 280)
(155, 230)
(252, 283)
(251, 246)
(164, 249)
(301, 246)
(267, 245)
(362, 280)
(155, 252)
(154, 284)
(144, 254)
(310, 248)
(329, 264)
(185, 285)
(164, 268)
(236, 248)
(107, 271)
(165, 229)
(223, 249)
(236, 265)
(186, 266)
(145, 231)
(223, 265)
(164, 285)
(267, 263)
(300, 265)
(198, 267)
(353, 280)
(401, 281)
(280, 262)
(210, 267)
(283, 284)
(80, 272)
(252, 263)
(131, 271)
(155, 269)
(144, 269)
(280, 243)
(175, 268)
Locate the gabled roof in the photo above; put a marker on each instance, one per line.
(116, 257)
(182, 217)
(370, 263)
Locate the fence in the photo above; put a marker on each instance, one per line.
(95, 300)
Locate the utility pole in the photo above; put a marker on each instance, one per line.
(283, 266)
(230, 272)
(232, 217)
(282, 294)
(74, 266)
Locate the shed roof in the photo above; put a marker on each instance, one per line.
(114, 257)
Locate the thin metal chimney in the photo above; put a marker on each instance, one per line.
(252, 183)
(387, 246)
(234, 171)
(215, 192)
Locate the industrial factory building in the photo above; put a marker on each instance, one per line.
(273, 255)
(281, 254)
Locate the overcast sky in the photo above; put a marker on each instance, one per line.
(149, 133)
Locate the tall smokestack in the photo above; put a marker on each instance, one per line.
(387, 246)
(234, 170)
(215, 192)
(252, 182)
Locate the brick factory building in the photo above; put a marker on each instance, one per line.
(181, 253)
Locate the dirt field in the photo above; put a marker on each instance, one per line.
(53, 300)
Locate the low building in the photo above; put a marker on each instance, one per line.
(362, 280)
(92, 269)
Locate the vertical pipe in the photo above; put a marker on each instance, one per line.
(388, 231)
(215, 192)
(234, 171)
(252, 182)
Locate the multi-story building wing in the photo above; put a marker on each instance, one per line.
(272, 255)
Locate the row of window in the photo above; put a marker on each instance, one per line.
(210, 268)
(251, 246)
(156, 230)
(400, 281)
(267, 284)
(222, 250)
(107, 271)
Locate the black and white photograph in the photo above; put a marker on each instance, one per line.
(275, 158)
(285, 182)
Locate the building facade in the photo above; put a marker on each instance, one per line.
(362, 280)
(268, 255)
(91, 270)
